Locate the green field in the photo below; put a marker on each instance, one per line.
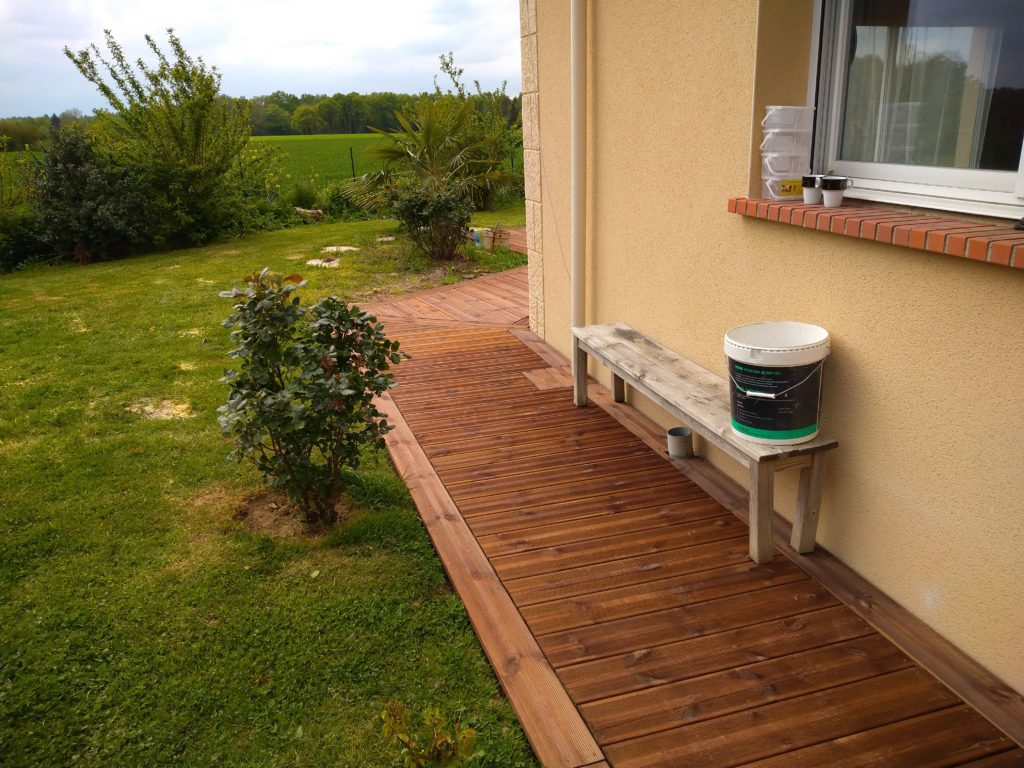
(325, 157)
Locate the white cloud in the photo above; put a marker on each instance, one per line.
(315, 46)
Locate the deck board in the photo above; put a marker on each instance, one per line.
(613, 593)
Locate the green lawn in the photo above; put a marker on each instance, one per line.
(140, 624)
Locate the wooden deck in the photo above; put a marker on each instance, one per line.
(613, 593)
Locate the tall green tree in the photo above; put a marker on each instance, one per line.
(170, 120)
(286, 101)
(307, 119)
(268, 118)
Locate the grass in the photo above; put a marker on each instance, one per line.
(325, 157)
(140, 624)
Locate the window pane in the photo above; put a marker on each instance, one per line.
(935, 83)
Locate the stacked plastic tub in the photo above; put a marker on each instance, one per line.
(785, 151)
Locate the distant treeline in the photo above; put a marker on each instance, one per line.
(280, 114)
(22, 132)
(283, 113)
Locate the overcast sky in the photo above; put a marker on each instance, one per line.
(260, 46)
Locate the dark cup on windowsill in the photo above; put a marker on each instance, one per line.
(812, 190)
(832, 188)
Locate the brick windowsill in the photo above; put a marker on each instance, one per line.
(979, 241)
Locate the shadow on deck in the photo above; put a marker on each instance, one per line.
(611, 588)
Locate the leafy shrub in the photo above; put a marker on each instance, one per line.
(255, 200)
(431, 745)
(21, 238)
(434, 215)
(300, 406)
(20, 228)
(304, 194)
(89, 208)
(13, 185)
(336, 204)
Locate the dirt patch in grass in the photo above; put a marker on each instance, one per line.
(400, 285)
(214, 498)
(161, 409)
(272, 514)
(203, 521)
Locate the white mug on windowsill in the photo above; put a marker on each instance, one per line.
(832, 188)
(812, 190)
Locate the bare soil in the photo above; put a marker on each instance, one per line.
(272, 514)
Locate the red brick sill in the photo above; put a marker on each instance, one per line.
(994, 243)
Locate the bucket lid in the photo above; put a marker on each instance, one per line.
(782, 342)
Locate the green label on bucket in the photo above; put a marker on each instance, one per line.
(775, 402)
(770, 434)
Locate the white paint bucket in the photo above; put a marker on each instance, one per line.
(775, 380)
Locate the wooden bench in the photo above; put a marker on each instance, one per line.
(700, 399)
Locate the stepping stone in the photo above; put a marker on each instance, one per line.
(338, 248)
(325, 263)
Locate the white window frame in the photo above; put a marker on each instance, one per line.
(987, 193)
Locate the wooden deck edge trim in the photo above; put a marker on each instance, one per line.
(996, 701)
(433, 325)
(487, 278)
(556, 731)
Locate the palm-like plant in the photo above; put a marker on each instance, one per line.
(437, 144)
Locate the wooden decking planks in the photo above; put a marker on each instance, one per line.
(628, 586)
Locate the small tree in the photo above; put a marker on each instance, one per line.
(171, 122)
(300, 405)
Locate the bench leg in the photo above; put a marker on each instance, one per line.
(579, 373)
(762, 495)
(808, 504)
(618, 389)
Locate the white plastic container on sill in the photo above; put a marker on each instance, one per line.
(788, 118)
(786, 142)
(781, 188)
(776, 164)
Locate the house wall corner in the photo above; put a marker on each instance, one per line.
(532, 162)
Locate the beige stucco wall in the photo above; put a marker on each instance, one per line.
(925, 496)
